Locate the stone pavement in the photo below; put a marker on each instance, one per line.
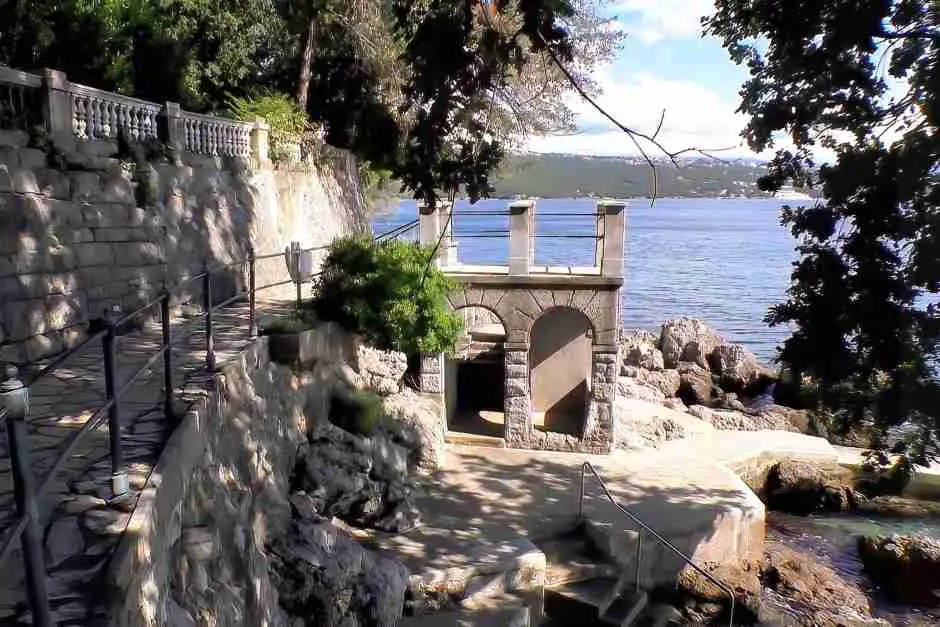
(82, 528)
(685, 490)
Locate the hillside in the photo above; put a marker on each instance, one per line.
(568, 176)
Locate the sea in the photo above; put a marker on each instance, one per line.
(723, 261)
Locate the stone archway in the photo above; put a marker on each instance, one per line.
(475, 375)
(560, 367)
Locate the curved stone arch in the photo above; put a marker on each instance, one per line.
(497, 314)
(592, 323)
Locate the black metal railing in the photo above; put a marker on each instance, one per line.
(642, 527)
(27, 524)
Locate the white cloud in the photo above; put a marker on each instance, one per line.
(653, 20)
(695, 117)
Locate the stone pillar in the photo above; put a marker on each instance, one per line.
(259, 143)
(599, 427)
(429, 226)
(57, 105)
(610, 222)
(517, 405)
(521, 244)
(448, 248)
(171, 129)
(431, 378)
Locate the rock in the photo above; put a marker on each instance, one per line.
(678, 334)
(728, 420)
(631, 388)
(642, 429)
(738, 369)
(381, 371)
(389, 460)
(81, 503)
(640, 350)
(318, 568)
(666, 381)
(676, 404)
(417, 423)
(305, 506)
(799, 487)
(705, 600)
(63, 540)
(896, 506)
(819, 594)
(695, 384)
(105, 522)
(404, 517)
(906, 568)
(728, 401)
(198, 543)
(177, 616)
(786, 418)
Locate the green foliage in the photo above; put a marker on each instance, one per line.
(388, 294)
(360, 412)
(883, 475)
(290, 127)
(863, 293)
(292, 323)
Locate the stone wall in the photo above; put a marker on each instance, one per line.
(82, 230)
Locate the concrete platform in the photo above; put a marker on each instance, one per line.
(685, 490)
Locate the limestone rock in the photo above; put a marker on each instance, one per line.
(389, 460)
(800, 487)
(705, 600)
(728, 420)
(695, 384)
(785, 417)
(640, 350)
(666, 381)
(631, 388)
(896, 506)
(381, 371)
(198, 543)
(642, 429)
(677, 336)
(906, 568)
(728, 401)
(416, 422)
(819, 594)
(327, 578)
(738, 369)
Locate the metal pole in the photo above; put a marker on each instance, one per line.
(207, 302)
(581, 495)
(639, 556)
(14, 397)
(295, 250)
(167, 359)
(118, 472)
(252, 324)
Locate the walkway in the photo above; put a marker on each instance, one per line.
(81, 533)
(685, 490)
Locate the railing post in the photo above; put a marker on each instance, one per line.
(167, 359)
(252, 323)
(171, 131)
(57, 105)
(14, 397)
(259, 143)
(207, 303)
(298, 277)
(108, 345)
(639, 557)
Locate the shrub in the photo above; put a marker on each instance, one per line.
(883, 475)
(293, 323)
(290, 127)
(388, 294)
(360, 413)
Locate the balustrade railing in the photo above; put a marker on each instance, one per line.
(87, 113)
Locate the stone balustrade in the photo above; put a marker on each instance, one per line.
(73, 111)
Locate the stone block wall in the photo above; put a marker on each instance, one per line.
(82, 230)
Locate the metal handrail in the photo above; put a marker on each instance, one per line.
(587, 466)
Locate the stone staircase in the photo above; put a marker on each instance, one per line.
(574, 576)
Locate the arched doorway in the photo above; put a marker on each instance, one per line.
(475, 376)
(560, 370)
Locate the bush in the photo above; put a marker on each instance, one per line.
(388, 294)
(290, 127)
(883, 475)
(294, 323)
(361, 413)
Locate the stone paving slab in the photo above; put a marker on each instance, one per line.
(81, 528)
(685, 490)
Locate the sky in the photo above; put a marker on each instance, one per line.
(664, 63)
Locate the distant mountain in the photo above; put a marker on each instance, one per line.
(571, 176)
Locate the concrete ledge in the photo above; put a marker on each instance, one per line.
(470, 275)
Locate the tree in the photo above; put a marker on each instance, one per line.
(861, 79)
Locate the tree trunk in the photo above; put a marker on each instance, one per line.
(306, 66)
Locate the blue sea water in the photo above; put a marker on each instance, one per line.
(724, 261)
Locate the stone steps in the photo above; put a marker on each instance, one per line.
(473, 439)
(499, 611)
